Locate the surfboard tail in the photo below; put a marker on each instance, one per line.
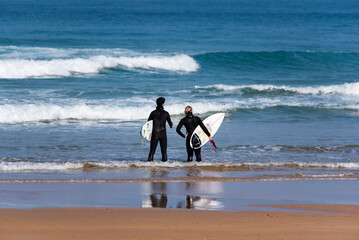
(212, 123)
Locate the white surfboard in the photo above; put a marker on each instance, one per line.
(212, 123)
(146, 130)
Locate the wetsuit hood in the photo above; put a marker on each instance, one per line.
(159, 108)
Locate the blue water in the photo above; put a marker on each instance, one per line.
(79, 78)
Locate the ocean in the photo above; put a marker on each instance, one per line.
(79, 78)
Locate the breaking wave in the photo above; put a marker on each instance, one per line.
(21, 113)
(17, 68)
(340, 89)
(21, 166)
(49, 112)
(69, 67)
(312, 61)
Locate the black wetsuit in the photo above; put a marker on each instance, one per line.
(159, 117)
(191, 122)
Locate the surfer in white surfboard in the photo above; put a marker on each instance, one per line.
(159, 117)
(191, 122)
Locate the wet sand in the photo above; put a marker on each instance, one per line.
(339, 222)
(223, 196)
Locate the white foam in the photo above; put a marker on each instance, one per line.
(207, 204)
(27, 68)
(339, 165)
(342, 89)
(133, 110)
(20, 166)
(49, 112)
(20, 113)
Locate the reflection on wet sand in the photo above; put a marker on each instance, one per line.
(189, 203)
(159, 202)
(155, 195)
(158, 197)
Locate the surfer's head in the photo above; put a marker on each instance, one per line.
(160, 101)
(187, 110)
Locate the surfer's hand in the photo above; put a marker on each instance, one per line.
(210, 138)
(186, 135)
(171, 126)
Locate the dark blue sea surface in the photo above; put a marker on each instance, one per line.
(79, 78)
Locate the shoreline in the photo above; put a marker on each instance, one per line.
(183, 179)
(339, 222)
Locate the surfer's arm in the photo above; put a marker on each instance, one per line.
(169, 121)
(150, 117)
(205, 130)
(178, 129)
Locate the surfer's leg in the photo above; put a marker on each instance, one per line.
(188, 202)
(163, 143)
(163, 201)
(189, 150)
(197, 152)
(154, 142)
(154, 201)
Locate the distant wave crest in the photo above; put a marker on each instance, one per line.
(34, 68)
(340, 89)
(284, 60)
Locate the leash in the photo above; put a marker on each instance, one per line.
(214, 147)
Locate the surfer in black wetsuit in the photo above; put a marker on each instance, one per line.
(191, 122)
(159, 117)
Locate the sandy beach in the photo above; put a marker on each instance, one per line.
(338, 222)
